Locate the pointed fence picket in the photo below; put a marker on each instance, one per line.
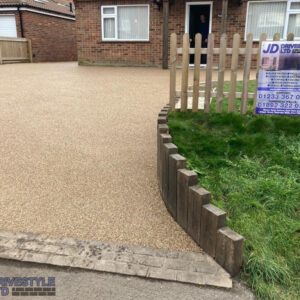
(234, 69)
(173, 61)
(209, 92)
(185, 72)
(221, 72)
(197, 61)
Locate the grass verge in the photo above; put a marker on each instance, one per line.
(251, 166)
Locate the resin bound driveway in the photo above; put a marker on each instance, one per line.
(78, 154)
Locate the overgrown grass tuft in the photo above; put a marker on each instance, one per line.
(251, 166)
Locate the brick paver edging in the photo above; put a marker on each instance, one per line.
(189, 204)
(190, 267)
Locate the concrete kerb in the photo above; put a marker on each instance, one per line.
(189, 204)
(189, 267)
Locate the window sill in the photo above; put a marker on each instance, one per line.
(125, 41)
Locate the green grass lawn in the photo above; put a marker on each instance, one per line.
(251, 166)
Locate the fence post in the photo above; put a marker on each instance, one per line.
(209, 64)
(246, 76)
(29, 50)
(173, 61)
(185, 71)
(222, 62)
(234, 68)
(197, 61)
(262, 38)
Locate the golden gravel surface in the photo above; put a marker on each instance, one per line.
(78, 154)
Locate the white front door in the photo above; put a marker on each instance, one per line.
(8, 26)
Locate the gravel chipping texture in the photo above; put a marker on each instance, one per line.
(78, 154)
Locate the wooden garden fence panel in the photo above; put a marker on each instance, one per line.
(15, 50)
(208, 92)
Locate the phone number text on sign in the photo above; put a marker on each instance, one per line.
(280, 104)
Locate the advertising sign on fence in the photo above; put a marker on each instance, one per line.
(278, 89)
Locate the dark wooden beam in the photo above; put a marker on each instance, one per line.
(165, 54)
(224, 15)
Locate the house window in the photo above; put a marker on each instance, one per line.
(265, 60)
(272, 17)
(8, 27)
(125, 23)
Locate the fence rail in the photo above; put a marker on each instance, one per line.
(211, 89)
(15, 50)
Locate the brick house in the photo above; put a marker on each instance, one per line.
(136, 32)
(49, 24)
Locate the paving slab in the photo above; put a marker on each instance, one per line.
(188, 267)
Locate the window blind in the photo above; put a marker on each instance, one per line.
(109, 28)
(133, 22)
(294, 24)
(266, 17)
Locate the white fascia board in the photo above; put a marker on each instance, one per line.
(8, 9)
(46, 13)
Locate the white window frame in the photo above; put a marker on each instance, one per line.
(12, 15)
(288, 12)
(115, 16)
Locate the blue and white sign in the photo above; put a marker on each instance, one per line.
(278, 90)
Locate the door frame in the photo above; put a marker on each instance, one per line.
(187, 13)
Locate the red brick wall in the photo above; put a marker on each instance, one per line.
(91, 48)
(53, 39)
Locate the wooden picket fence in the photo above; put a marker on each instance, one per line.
(207, 91)
(15, 50)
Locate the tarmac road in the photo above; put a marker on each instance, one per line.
(77, 284)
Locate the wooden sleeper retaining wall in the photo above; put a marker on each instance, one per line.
(189, 204)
